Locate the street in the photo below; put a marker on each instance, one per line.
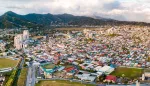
(31, 76)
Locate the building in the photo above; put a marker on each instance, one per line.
(146, 74)
(18, 41)
(25, 34)
(106, 70)
(2, 45)
(88, 33)
(110, 78)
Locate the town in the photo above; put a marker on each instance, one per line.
(92, 56)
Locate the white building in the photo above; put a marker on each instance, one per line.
(106, 70)
(25, 34)
(2, 45)
(88, 33)
(18, 41)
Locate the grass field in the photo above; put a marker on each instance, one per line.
(60, 83)
(49, 66)
(37, 37)
(128, 72)
(22, 77)
(5, 63)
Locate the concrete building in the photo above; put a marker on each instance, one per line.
(25, 34)
(88, 33)
(2, 45)
(18, 41)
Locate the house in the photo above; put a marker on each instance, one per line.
(69, 69)
(2, 45)
(110, 78)
(85, 76)
(48, 72)
(106, 70)
(61, 68)
(146, 74)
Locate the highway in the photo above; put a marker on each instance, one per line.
(31, 79)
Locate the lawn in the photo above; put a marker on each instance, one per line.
(61, 83)
(5, 63)
(128, 72)
(22, 77)
(49, 66)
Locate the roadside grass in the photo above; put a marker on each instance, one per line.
(60, 83)
(22, 77)
(128, 72)
(5, 63)
(7, 75)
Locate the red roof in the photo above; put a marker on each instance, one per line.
(69, 69)
(111, 78)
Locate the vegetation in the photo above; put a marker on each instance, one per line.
(12, 78)
(5, 63)
(128, 72)
(7, 75)
(49, 66)
(60, 83)
(40, 21)
(22, 77)
(113, 35)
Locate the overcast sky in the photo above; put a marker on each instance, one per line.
(129, 10)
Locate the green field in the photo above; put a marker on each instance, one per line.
(22, 77)
(5, 63)
(60, 83)
(128, 72)
(49, 66)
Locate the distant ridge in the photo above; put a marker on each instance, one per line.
(14, 20)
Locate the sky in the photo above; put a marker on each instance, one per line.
(125, 10)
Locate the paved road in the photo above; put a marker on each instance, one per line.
(31, 79)
(33, 76)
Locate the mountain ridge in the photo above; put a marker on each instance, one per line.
(13, 20)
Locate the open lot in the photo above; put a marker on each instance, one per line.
(128, 72)
(5, 63)
(60, 83)
(22, 77)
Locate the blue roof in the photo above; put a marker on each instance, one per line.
(113, 65)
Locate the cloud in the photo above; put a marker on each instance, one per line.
(129, 10)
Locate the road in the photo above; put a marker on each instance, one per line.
(31, 76)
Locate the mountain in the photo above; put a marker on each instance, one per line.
(13, 20)
(62, 19)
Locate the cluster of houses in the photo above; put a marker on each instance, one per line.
(93, 53)
(73, 71)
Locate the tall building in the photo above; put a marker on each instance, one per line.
(88, 33)
(25, 34)
(18, 41)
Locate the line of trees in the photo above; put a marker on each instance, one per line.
(12, 78)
